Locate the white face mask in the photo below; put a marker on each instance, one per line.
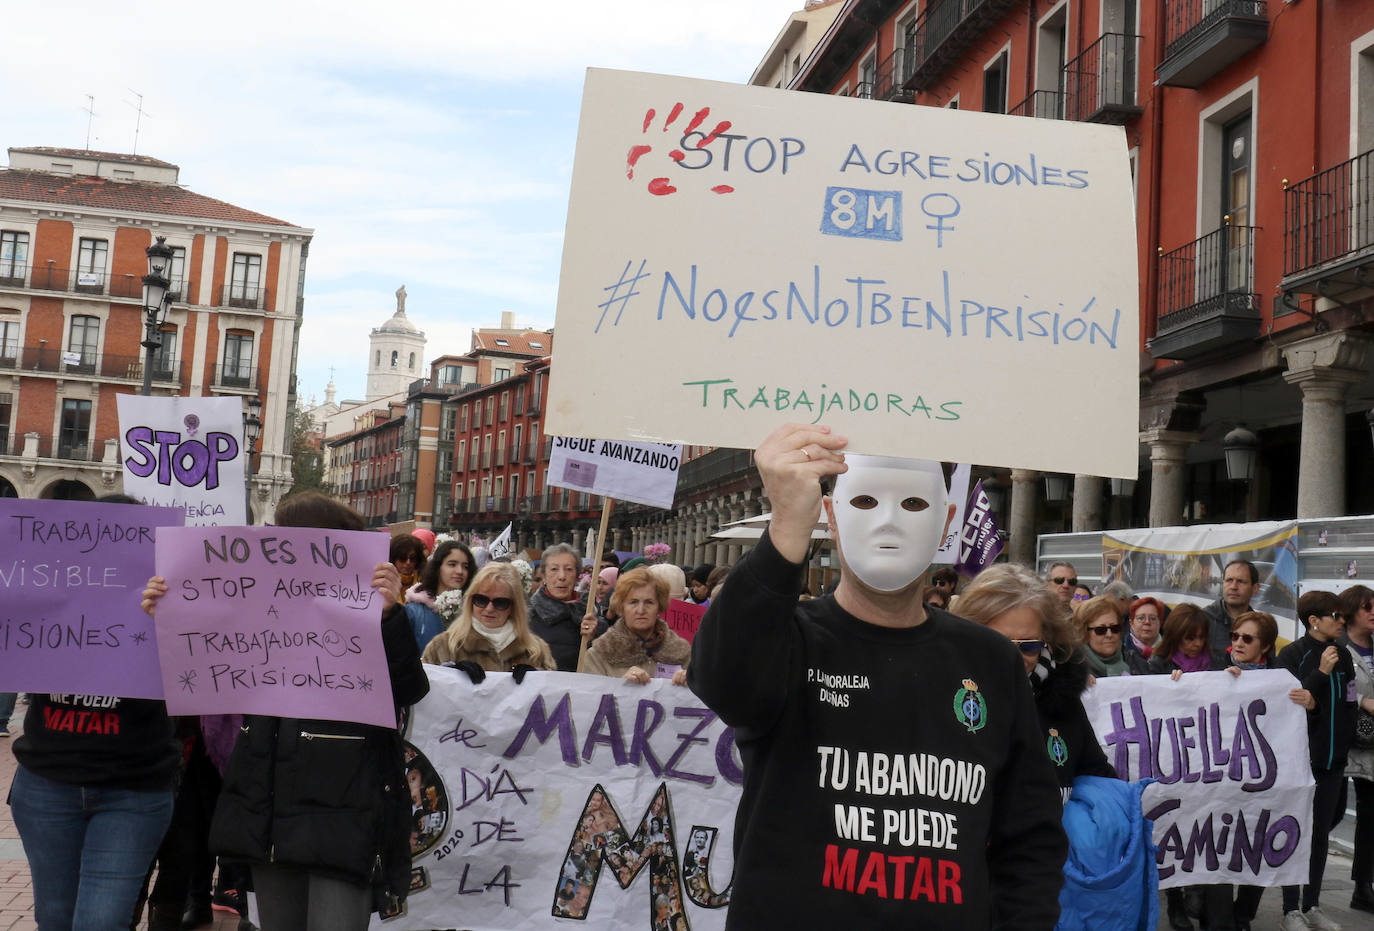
(890, 515)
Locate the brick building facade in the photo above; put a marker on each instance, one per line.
(74, 225)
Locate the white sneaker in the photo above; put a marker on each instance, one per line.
(1315, 919)
(1294, 921)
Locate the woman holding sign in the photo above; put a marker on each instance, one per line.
(319, 809)
(92, 797)
(494, 629)
(639, 644)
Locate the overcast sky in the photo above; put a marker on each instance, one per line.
(427, 143)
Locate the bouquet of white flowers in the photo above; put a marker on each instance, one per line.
(449, 605)
(526, 571)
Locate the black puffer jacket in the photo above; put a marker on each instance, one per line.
(1059, 704)
(559, 624)
(327, 796)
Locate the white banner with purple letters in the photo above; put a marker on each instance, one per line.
(567, 797)
(185, 453)
(1232, 797)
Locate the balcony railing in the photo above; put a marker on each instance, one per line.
(1046, 105)
(1100, 84)
(1202, 37)
(102, 365)
(70, 448)
(1207, 294)
(943, 31)
(75, 281)
(535, 406)
(863, 89)
(501, 455)
(1328, 219)
(236, 376)
(531, 452)
(515, 450)
(248, 297)
(891, 75)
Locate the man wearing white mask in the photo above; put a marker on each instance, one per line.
(894, 772)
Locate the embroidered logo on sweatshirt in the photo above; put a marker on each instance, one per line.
(970, 709)
(1059, 751)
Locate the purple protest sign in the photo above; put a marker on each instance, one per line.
(273, 620)
(71, 579)
(980, 542)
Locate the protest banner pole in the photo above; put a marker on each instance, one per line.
(606, 505)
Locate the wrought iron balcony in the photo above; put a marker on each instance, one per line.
(1046, 105)
(1203, 37)
(73, 281)
(891, 76)
(1328, 229)
(244, 296)
(102, 365)
(240, 376)
(1207, 298)
(1100, 84)
(945, 29)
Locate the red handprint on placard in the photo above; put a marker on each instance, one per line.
(662, 186)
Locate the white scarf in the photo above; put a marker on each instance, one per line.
(499, 637)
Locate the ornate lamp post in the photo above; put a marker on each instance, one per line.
(252, 429)
(157, 300)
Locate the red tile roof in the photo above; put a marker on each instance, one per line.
(518, 341)
(90, 153)
(133, 196)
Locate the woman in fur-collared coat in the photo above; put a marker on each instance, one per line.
(639, 642)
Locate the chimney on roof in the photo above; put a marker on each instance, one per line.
(507, 319)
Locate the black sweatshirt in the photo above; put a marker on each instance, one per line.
(892, 777)
(1065, 729)
(1331, 727)
(124, 743)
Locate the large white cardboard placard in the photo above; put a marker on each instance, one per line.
(645, 473)
(1232, 800)
(567, 800)
(185, 452)
(928, 282)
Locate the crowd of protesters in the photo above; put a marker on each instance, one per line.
(176, 793)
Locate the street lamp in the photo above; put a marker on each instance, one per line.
(1241, 449)
(252, 429)
(157, 300)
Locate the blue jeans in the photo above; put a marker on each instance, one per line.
(88, 847)
(7, 700)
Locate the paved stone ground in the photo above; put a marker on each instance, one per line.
(16, 889)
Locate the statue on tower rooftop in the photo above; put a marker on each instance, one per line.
(401, 300)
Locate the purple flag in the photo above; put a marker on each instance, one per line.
(980, 542)
(71, 578)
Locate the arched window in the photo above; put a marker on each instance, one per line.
(394, 357)
(412, 361)
(378, 363)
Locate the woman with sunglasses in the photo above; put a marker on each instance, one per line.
(1102, 630)
(494, 630)
(1013, 601)
(1357, 609)
(637, 644)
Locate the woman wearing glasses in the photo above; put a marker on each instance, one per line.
(1102, 630)
(637, 645)
(493, 631)
(1014, 602)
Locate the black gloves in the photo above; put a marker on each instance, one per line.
(475, 673)
(518, 673)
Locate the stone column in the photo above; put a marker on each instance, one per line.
(733, 551)
(1324, 367)
(1168, 468)
(1087, 502)
(1024, 491)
